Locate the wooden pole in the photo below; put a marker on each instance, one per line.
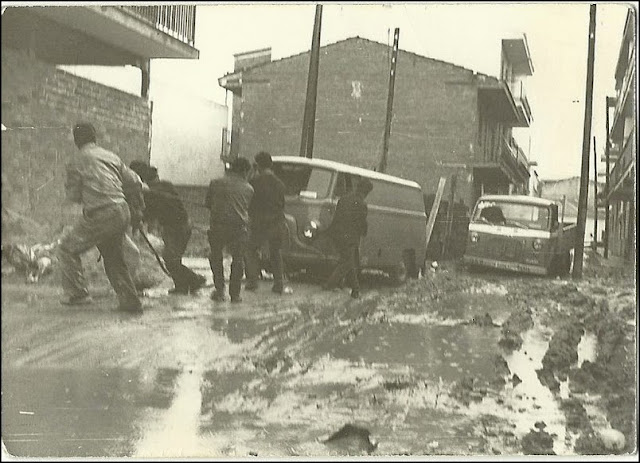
(595, 196)
(434, 209)
(452, 194)
(606, 185)
(392, 82)
(309, 119)
(584, 173)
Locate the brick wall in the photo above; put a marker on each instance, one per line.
(46, 102)
(435, 111)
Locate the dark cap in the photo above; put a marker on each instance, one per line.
(240, 166)
(263, 160)
(83, 133)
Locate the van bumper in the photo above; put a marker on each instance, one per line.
(500, 264)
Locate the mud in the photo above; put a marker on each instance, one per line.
(445, 365)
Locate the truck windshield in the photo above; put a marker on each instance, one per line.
(512, 214)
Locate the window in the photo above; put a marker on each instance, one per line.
(308, 181)
(345, 183)
(512, 214)
(389, 194)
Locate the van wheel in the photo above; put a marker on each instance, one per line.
(398, 274)
(409, 259)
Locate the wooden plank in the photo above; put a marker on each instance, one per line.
(449, 228)
(434, 208)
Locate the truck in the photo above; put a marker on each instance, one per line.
(520, 233)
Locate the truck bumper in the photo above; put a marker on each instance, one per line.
(514, 266)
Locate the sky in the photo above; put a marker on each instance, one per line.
(466, 34)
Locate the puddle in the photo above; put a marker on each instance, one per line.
(435, 351)
(174, 432)
(530, 400)
(237, 330)
(587, 348)
(83, 413)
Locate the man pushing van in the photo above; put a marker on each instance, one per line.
(349, 225)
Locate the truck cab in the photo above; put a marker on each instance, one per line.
(519, 233)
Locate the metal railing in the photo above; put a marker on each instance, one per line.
(625, 158)
(178, 21)
(520, 97)
(513, 155)
(624, 89)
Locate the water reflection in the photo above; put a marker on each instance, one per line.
(67, 413)
(437, 351)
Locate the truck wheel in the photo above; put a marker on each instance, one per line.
(560, 265)
(565, 264)
(398, 274)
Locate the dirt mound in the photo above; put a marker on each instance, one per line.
(518, 322)
(352, 440)
(538, 441)
(18, 228)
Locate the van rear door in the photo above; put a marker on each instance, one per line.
(307, 196)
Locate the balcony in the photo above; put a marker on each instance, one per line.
(125, 34)
(623, 90)
(522, 103)
(513, 157)
(622, 176)
(178, 21)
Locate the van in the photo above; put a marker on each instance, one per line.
(396, 238)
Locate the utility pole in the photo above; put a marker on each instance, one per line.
(584, 173)
(595, 196)
(309, 119)
(392, 82)
(606, 185)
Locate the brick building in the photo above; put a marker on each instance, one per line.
(622, 151)
(446, 119)
(40, 103)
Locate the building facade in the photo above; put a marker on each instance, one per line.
(446, 119)
(622, 149)
(40, 102)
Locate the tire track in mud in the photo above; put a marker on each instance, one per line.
(320, 319)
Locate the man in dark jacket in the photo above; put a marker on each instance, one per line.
(228, 199)
(100, 181)
(348, 226)
(163, 204)
(266, 216)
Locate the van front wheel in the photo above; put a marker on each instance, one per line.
(398, 274)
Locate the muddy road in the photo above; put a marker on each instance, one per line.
(455, 363)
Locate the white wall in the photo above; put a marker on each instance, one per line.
(186, 135)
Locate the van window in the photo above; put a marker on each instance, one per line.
(389, 194)
(313, 181)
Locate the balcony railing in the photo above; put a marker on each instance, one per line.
(623, 161)
(623, 90)
(520, 97)
(513, 156)
(178, 21)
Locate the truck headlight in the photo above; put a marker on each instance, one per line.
(473, 237)
(537, 244)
